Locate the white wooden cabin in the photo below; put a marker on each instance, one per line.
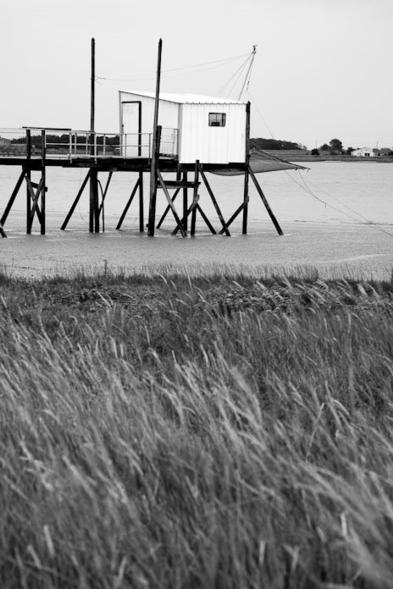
(211, 130)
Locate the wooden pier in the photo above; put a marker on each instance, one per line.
(154, 153)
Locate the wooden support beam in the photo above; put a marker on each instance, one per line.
(141, 204)
(185, 201)
(215, 203)
(104, 191)
(164, 214)
(188, 212)
(265, 202)
(34, 203)
(94, 214)
(195, 198)
(73, 206)
(12, 198)
(120, 223)
(170, 203)
(155, 149)
(204, 217)
(43, 179)
(246, 173)
(235, 214)
(28, 177)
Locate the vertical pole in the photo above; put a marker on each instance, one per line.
(28, 176)
(154, 158)
(141, 212)
(43, 179)
(94, 214)
(185, 202)
(246, 171)
(92, 85)
(195, 196)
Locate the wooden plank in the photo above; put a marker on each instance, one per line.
(73, 206)
(179, 184)
(170, 203)
(265, 202)
(215, 203)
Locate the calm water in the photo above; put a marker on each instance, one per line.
(351, 193)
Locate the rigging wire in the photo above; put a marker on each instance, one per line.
(247, 79)
(237, 80)
(203, 66)
(236, 74)
(308, 190)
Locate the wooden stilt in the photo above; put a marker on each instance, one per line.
(94, 217)
(43, 178)
(73, 206)
(185, 202)
(246, 172)
(168, 208)
(170, 203)
(215, 203)
(120, 223)
(195, 198)
(2, 232)
(265, 202)
(104, 191)
(204, 217)
(141, 207)
(12, 199)
(235, 214)
(28, 178)
(35, 191)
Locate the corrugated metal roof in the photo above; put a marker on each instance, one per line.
(185, 98)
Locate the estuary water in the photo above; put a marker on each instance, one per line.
(336, 216)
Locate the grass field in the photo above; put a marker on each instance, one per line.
(176, 432)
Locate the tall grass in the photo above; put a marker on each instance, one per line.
(169, 432)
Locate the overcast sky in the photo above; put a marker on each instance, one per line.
(322, 69)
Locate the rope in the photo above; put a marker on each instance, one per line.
(204, 66)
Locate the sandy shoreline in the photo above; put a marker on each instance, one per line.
(335, 250)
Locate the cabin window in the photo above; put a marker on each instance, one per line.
(217, 119)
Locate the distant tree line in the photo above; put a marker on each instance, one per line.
(64, 139)
(261, 143)
(334, 147)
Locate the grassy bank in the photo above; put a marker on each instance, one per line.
(169, 432)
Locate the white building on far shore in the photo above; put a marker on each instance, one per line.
(363, 152)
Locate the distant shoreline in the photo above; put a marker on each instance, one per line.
(300, 156)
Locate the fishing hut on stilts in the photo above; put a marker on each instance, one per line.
(186, 136)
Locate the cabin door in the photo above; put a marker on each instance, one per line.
(131, 128)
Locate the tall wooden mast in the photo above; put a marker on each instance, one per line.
(155, 149)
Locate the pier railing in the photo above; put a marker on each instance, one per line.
(69, 143)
